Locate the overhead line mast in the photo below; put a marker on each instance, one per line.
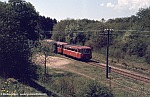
(107, 50)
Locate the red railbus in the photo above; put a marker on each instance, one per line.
(75, 51)
(79, 52)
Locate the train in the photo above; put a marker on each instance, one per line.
(71, 50)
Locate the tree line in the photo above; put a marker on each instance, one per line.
(129, 38)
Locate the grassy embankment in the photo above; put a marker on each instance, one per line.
(131, 63)
(74, 79)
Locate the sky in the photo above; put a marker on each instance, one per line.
(89, 9)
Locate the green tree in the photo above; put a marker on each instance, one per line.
(135, 45)
(17, 25)
(46, 25)
(46, 50)
(24, 16)
(143, 19)
(59, 31)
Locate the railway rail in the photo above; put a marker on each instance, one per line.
(127, 73)
(123, 72)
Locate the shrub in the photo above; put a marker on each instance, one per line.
(95, 89)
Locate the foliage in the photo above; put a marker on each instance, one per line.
(46, 49)
(45, 26)
(17, 25)
(143, 16)
(127, 39)
(95, 89)
(67, 86)
(135, 45)
(10, 86)
(71, 31)
(147, 55)
(23, 15)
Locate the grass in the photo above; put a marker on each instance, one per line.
(11, 87)
(74, 78)
(64, 83)
(132, 88)
(121, 85)
(128, 63)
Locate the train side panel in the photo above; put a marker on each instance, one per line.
(86, 56)
(59, 50)
(71, 53)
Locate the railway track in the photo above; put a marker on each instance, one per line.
(123, 72)
(127, 73)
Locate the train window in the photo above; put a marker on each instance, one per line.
(81, 50)
(72, 49)
(86, 51)
(69, 49)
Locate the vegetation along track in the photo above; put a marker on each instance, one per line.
(123, 72)
(119, 71)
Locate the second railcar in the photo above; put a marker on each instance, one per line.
(60, 46)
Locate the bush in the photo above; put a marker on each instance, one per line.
(95, 89)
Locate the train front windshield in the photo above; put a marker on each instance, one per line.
(85, 51)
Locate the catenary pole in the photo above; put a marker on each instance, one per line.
(107, 50)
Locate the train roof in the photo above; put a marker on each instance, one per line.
(61, 43)
(77, 47)
(49, 40)
(53, 41)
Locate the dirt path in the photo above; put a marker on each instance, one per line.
(52, 62)
(57, 62)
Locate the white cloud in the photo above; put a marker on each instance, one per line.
(132, 4)
(102, 4)
(110, 5)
